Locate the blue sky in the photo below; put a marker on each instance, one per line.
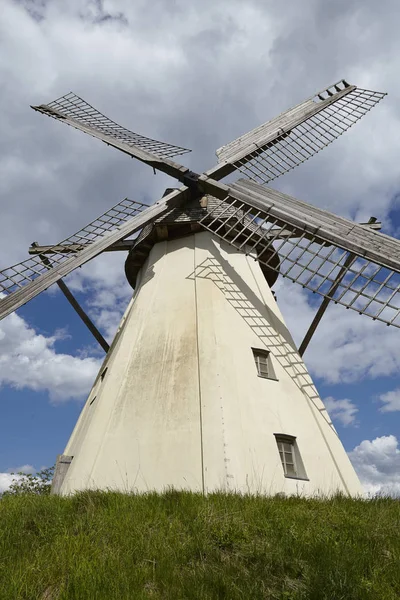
(197, 78)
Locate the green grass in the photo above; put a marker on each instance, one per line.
(181, 545)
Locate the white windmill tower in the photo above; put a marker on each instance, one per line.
(203, 387)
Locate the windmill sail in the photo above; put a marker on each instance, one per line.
(313, 245)
(74, 111)
(293, 137)
(22, 282)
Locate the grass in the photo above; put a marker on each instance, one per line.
(180, 545)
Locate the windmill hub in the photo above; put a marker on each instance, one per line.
(185, 221)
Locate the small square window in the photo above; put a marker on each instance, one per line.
(290, 456)
(263, 362)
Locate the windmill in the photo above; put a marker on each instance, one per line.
(203, 387)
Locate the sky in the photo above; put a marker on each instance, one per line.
(194, 74)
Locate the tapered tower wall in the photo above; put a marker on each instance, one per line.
(178, 401)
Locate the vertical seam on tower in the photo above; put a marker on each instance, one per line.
(307, 399)
(198, 365)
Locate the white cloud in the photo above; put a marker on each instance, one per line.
(13, 474)
(377, 463)
(30, 360)
(391, 401)
(341, 410)
(6, 479)
(25, 469)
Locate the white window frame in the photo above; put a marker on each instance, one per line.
(262, 359)
(282, 441)
(283, 444)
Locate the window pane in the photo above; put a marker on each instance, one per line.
(257, 364)
(261, 359)
(290, 470)
(286, 448)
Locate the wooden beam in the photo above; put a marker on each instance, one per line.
(58, 249)
(62, 465)
(323, 225)
(126, 245)
(243, 147)
(166, 165)
(13, 301)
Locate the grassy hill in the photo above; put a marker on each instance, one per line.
(181, 545)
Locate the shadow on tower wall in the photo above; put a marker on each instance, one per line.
(270, 330)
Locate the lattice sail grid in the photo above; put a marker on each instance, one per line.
(15, 277)
(74, 107)
(288, 150)
(364, 286)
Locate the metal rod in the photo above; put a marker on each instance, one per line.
(77, 307)
(325, 302)
(88, 322)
